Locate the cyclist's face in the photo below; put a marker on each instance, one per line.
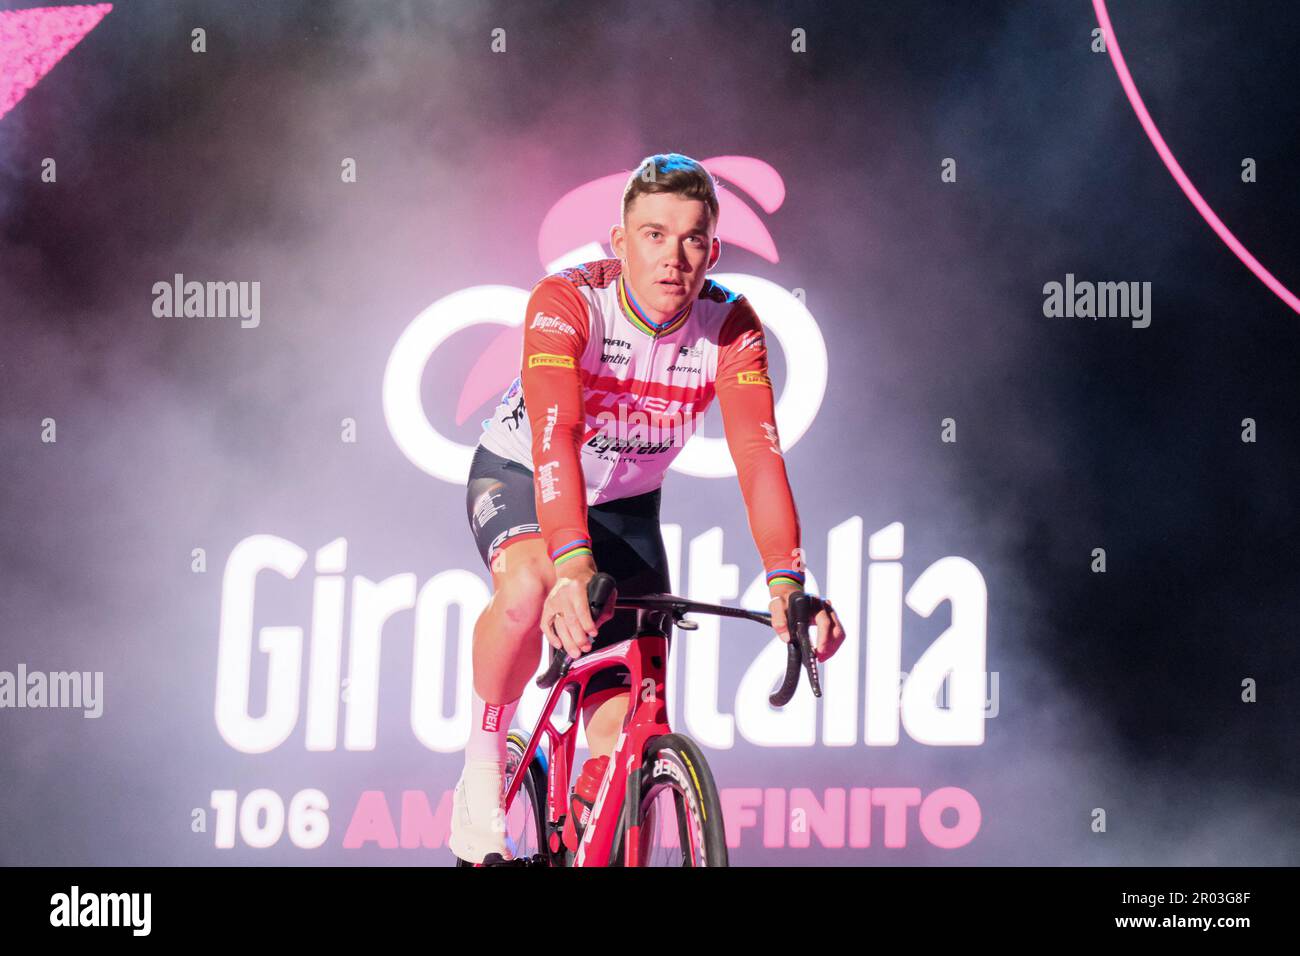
(667, 247)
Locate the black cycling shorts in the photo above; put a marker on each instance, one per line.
(625, 540)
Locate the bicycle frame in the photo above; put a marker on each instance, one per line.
(645, 655)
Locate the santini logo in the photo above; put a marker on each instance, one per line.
(1098, 300)
(102, 909)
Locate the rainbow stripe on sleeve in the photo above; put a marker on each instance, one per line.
(571, 550)
(785, 576)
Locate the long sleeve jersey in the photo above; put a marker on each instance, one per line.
(607, 398)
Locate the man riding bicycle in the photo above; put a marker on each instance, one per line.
(620, 359)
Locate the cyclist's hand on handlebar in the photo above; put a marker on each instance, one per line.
(830, 632)
(566, 616)
(827, 630)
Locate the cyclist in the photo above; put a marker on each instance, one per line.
(621, 357)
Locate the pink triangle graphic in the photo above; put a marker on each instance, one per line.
(32, 41)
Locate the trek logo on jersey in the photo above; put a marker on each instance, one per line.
(546, 358)
(543, 322)
(754, 377)
(492, 718)
(752, 339)
(552, 416)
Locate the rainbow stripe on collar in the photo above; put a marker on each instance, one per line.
(638, 317)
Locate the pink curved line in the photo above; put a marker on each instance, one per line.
(493, 370)
(1180, 177)
(753, 175)
(33, 41)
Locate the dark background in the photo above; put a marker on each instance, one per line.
(1119, 690)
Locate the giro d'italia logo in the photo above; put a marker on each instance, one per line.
(564, 240)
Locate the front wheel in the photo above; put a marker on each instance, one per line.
(526, 821)
(680, 812)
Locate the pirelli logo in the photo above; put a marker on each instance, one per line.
(754, 378)
(546, 358)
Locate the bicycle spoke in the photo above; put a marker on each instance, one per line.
(685, 832)
(521, 819)
(521, 825)
(650, 833)
(669, 836)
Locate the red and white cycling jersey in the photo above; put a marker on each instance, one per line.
(606, 399)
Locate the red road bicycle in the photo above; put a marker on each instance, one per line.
(657, 804)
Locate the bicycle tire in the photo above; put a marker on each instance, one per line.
(532, 791)
(674, 764)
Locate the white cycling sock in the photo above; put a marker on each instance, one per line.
(489, 725)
